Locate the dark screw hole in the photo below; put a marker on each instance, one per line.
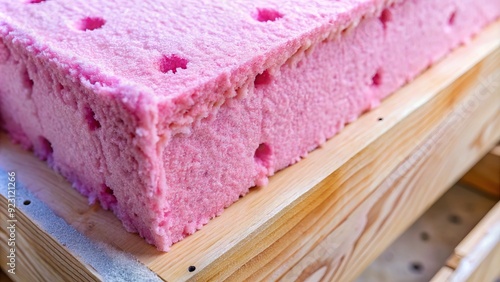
(380, 119)
(424, 236)
(27, 202)
(416, 267)
(192, 268)
(455, 219)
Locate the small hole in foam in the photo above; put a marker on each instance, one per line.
(36, 1)
(263, 154)
(108, 196)
(108, 190)
(26, 79)
(46, 150)
(380, 119)
(267, 15)
(172, 63)
(27, 202)
(377, 79)
(385, 17)
(452, 18)
(263, 79)
(92, 122)
(59, 87)
(90, 23)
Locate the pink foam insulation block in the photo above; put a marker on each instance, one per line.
(166, 112)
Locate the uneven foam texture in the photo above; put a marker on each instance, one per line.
(166, 112)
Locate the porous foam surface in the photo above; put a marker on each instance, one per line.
(166, 112)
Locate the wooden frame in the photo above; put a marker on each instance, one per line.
(325, 218)
(477, 257)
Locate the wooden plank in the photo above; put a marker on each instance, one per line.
(486, 270)
(477, 257)
(487, 224)
(485, 175)
(38, 255)
(443, 275)
(329, 215)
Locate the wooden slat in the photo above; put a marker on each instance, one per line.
(485, 175)
(443, 275)
(329, 215)
(487, 224)
(477, 257)
(486, 270)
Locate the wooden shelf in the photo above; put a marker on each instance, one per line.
(325, 218)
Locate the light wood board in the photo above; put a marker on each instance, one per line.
(477, 257)
(327, 217)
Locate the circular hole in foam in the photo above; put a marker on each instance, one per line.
(90, 23)
(262, 79)
(377, 78)
(385, 17)
(451, 19)
(266, 15)
(171, 63)
(90, 117)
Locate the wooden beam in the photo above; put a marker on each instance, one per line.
(331, 214)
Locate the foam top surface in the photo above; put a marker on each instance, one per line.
(173, 47)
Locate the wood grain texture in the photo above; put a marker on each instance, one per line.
(485, 175)
(330, 215)
(38, 255)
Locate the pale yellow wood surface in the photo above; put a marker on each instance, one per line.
(329, 215)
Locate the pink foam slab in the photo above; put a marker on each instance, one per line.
(166, 112)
